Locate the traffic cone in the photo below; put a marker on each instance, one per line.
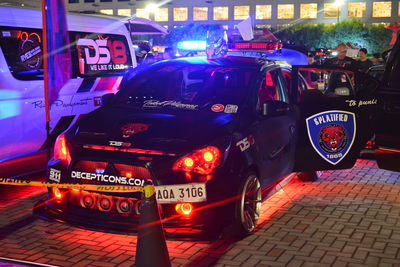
(151, 248)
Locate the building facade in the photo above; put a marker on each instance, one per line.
(274, 13)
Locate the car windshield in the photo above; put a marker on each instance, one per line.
(186, 86)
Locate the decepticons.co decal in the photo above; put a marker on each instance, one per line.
(332, 134)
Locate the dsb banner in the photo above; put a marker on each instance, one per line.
(106, 54)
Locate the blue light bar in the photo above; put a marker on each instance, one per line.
(192, 45)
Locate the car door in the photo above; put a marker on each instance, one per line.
(275, 128)
(388, 130)
(336, 114)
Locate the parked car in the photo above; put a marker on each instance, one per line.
(214, 136)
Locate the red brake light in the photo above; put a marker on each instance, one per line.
(202, 161)
(61, 150)
(184, 208)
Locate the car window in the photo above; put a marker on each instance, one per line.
(271, 88)
(288, 79)
(186, 86)
(282, 86)
(330, 82)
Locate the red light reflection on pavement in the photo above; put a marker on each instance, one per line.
(304, 223)
(10, 195)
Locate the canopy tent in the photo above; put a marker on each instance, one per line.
(139, 26)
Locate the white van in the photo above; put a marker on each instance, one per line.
(98, 67)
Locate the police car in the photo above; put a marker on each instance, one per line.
(214, 135)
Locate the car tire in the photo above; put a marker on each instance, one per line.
(310, 176)
(247, 208)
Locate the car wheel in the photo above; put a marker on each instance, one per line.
(310, 176)
(247, 208)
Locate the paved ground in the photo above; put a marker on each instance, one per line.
(348, 218)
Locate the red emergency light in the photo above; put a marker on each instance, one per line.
(256, 46)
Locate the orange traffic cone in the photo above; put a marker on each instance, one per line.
(151, 249)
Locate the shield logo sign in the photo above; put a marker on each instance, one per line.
(332, 134)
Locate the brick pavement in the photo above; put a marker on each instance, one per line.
(347, 218)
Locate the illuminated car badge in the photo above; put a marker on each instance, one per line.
(130, 129)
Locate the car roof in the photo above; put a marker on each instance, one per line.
(226, 61)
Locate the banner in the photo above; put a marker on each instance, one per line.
(57, 56)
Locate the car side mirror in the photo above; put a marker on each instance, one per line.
(342, 91)
(272, 108)
(107, 99)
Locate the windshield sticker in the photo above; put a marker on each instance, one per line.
(171, 104)
(103, 55)
(354, 103)
(217, 107)
(332, 134)
(231, 109)
(30, 52)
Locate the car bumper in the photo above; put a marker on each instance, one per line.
(175, 225)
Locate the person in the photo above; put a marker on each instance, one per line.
(168, 53)
(310, 58)
(376, 59)
(338, 79)
(364, 62)
(341, 59)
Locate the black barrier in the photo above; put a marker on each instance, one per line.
(151, 248)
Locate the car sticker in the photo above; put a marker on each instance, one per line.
(130, 129)
(217, 107)
(119, 143)
(231, 109)
(246, 143)
(55, 175)
(354, 103)
(332, 134)
(173, 104)
(100, 177)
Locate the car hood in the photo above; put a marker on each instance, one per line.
(174, 132)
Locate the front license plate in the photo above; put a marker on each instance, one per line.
(181, 193)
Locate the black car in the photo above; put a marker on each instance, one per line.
(387, 138)
(214, 136)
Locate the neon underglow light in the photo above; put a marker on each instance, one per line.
(192, 45)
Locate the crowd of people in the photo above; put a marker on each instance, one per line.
(363, 63)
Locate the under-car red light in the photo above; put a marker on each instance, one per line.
(61, 151)
(202, 161)
(57, 193)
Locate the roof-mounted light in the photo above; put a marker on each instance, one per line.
(192, 45)
(255, 46)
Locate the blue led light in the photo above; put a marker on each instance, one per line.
(192, 45)
(100, 171)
